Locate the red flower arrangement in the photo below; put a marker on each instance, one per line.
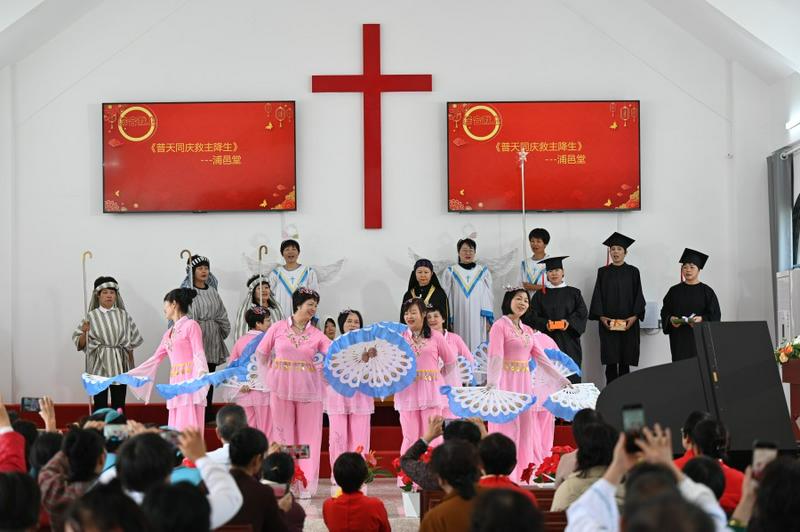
(373, 471)
(546, 472)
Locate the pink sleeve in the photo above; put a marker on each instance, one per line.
(544, 363)
(463, 350)
(195, 336)
(267, 343)
(444, 351)
(322, 347)
(236, 352)
(148, 368)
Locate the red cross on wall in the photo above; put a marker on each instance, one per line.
(372, 83)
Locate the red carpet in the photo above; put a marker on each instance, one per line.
(386, 434)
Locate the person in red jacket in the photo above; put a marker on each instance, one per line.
(353, 511)
(12, 445)
(499, 458)
(710, 438)
(686, 436)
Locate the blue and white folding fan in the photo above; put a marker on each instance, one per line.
(376, 361)
(94, 384)
(464, 370)
(480, 367)
(488, 403)
(247, 360)
(566, 402)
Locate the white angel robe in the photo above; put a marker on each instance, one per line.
(533, 271)
(284, 282)
(471, 302)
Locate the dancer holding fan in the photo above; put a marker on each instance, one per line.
(511, 347)
(422, 399)
(288, 358)
(348, 417)
(108, 336)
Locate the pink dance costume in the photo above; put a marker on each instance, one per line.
(183, 344)
(510, 350)
(349, 422)
(422, 399)
(255, 402)
(292, 369)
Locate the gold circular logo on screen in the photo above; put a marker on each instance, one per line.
(485, 118)
(139, 126)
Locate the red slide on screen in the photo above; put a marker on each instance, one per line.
(582, 155)
(200, 156)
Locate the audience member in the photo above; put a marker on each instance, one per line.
(668, 512)
(352, 511)
(278, 470)
(595, 451)
(177, 508)
(12, 445)
(705, 470)
(105, 507)
(771, 503)
(259, 508)
(44, 448)
(71, 472)
(500, 510)
(146, 460)
(420, 473)
(596, 508)
(230, 420)
(686, 435)
(455, 463)
(710, 438)
(568, 461)
(29, 433)
(498, 455)
(19, 502)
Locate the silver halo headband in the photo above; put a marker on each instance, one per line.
(257, 281)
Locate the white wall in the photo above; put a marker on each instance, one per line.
(696, 109)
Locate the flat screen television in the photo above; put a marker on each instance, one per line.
(581, 156)
(199, 156)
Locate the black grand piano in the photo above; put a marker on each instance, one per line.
(734, 377)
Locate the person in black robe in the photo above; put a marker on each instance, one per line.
(687, 304)
(559, 312)
(424, 284)
(618, 305)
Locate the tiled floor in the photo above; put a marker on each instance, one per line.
(384, 489)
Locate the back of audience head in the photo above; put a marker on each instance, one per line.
(710, 438)
(44, 448)
(461, 429)
(350, 472)
(707, 471)
(28, 431)
(85, 450)
(596, 445)
(502, 509)
(688, 426)
(230, 419)
(778, 497)
(144, 461)
(19, 502)
(105, 507)
(668, 512)
(584, 417)
(455, 462)
(247, 448)
(498, 454)
(177, 508)
(646, 481)
(109, 416)
(279, 468)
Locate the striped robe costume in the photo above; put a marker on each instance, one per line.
(111, 335)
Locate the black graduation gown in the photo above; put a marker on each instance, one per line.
(618, 295)
(433, 295)
(565, 303)
(683, 300)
